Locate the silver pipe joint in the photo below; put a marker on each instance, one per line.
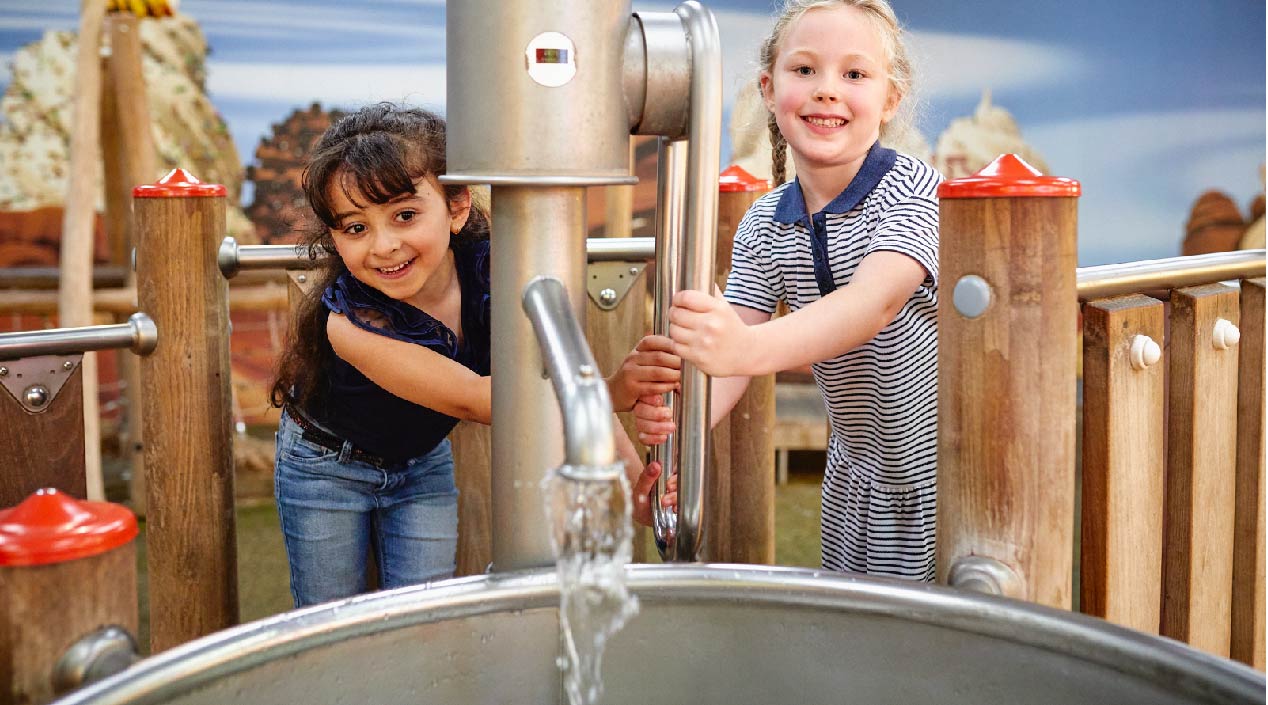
(233, 258)
(589, 444)
(139, 335)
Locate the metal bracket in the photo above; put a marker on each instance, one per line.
(35, 381)
(609, 282)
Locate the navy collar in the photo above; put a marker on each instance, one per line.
(879, 160)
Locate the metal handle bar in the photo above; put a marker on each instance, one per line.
(1174, 272)
(139, 334)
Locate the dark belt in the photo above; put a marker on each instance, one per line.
(329, 441)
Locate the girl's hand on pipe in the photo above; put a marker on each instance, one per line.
(708, 333)
(651, 368)
(653, 420)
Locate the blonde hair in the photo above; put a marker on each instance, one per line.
(891, 34)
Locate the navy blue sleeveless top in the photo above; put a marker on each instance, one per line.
(375, 420)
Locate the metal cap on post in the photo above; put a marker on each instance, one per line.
(187, 409)
(57, 551)
(1007, 327)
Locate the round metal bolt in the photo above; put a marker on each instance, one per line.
(607, 297)
(985, 575)
(302, 278)
(633, 271)
(68, 365)
(36, 396)
(1225, 335)
(4, 372)
(1144, 352)
(586, 371)
(972, 296)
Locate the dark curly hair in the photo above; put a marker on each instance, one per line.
(376, 154)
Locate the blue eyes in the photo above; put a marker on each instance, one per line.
(852, 74)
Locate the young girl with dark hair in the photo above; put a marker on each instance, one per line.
(387, 355)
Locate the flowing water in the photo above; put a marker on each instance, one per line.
(592, 539)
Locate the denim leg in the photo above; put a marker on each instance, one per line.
(326, 509)
(417, 523)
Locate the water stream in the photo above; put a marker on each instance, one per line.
(592, 539)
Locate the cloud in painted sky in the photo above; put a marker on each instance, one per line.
(333, 84)
(1133, 209)
(960, 65)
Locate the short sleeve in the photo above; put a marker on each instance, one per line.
(909, 223)
(754, 281)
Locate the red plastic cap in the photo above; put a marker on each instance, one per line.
(178, 184)
(50, 527)
(1009, 176)
(735, 179)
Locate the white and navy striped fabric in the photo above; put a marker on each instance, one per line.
(879, 485)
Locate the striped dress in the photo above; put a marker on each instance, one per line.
(879, 485)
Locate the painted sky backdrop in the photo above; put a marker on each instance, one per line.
(1147, 102)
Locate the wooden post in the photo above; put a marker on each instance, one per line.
(740, 516)
(44, 449)
(128, 158)
(1248, 519)
(75, 288)
(1007, 328)
(187, 410)
(613, 333)
(1123, 461)
(1201, 470)
(67, 568)
(473, 475)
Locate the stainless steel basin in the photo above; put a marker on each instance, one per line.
(704, 634)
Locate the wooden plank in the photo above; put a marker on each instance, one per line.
(472, 460)
(129, 159)
(1201, 470)
(192, 553)
(612, 335)
(44, 449)
(1248, 520)
(78, 220)
(1006, 393)
(1123, 464)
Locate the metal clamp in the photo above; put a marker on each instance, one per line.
(609, 282)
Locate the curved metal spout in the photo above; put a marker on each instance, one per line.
(589, 446)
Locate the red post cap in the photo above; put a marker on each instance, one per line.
(51, 527)
(178, 184)
(735, 179)
(1009, 176)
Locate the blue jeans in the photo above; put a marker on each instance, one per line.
(335, 510)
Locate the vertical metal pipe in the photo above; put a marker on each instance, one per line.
(698, 249)
(536, 232)
(670, 200)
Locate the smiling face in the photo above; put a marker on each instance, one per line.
(400, 247)
(829, 89)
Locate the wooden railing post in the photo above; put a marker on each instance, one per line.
(1007, 327)
(1201, 468)
(192, 557)
(740, 513)
(1248, 521)
(67, 570)
(1123, 461)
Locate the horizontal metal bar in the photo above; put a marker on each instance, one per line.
(139, 334)
(103, 276)
(1171, 273)
(234, 258)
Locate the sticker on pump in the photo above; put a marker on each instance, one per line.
(551, 59)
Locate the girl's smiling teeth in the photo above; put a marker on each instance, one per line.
(396, 269)
(824, 121)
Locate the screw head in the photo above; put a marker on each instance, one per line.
(68, 365)
(586, 371)
(4, 372)
(607, 297)
(972, 296)
(302, 278)
(36, 396)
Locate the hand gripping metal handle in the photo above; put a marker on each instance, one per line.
(687, 229)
